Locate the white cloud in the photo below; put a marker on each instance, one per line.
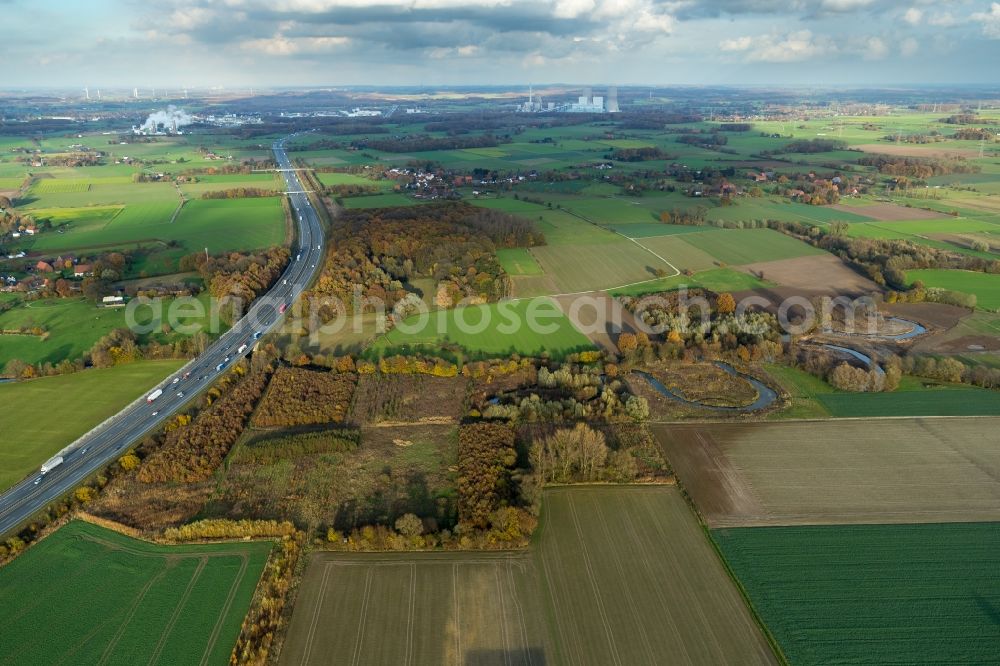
(909, 47)
(792, 47)
(913, 16)
(875, 48)
(845, 5)
(942, 20)
(280, 45)
(990, 21)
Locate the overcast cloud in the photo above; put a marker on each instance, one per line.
(337, 42)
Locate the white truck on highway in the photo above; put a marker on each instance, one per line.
(51, 464)
(154, 395)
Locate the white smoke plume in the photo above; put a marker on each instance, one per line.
(172, 118)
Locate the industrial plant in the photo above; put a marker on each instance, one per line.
(585, 103)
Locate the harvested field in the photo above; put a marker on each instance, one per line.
(887, 212)
(873, 594)
(474, 608)
(815, 274)
(906, 150)
(873, 471)
(600, 587)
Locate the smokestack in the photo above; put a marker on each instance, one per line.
(613, 99)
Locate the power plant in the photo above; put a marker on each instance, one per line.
(585, 103)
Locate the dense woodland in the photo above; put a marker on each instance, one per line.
(193, 449)
(916, 167)
(375, 254)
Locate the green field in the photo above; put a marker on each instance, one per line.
(867, 594)
(518, 261)
(221, 225)
(814, 398)
(748, 246)
(717, 280)
(602, 585)
(73, 325)
(920, 402)
(84, 399)
(498, 329)
(87, 595)
(985, 286)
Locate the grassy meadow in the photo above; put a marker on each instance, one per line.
(83, 400)
(494, 329)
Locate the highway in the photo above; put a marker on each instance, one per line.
(97, 448)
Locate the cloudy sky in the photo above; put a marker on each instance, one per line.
(434, 42)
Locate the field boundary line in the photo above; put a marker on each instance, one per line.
(593, 582)
(158, 650)
(217, 629)
(360, 635)
(550, 586)
(310, 635)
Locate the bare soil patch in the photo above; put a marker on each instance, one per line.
(889, 212)
(823, 274)
(905, 150)
(931, 315)
(847, 471)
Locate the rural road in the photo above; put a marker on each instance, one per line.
(97, 448)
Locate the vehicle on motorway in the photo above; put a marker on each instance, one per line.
(38, 480)
(281, 310)
(156, 413)
(187, 374)
(83, 452)
(298, 257)
(221, 366)
(257, 334)
(176, 379)
(154, 395)
(242, 349)
(284, 282)
(180, 394)
(51, 464)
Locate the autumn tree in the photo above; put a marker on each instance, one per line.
(725, 303)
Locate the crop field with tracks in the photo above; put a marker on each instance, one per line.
(87, 595)
(600, 586)
(866, 594)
